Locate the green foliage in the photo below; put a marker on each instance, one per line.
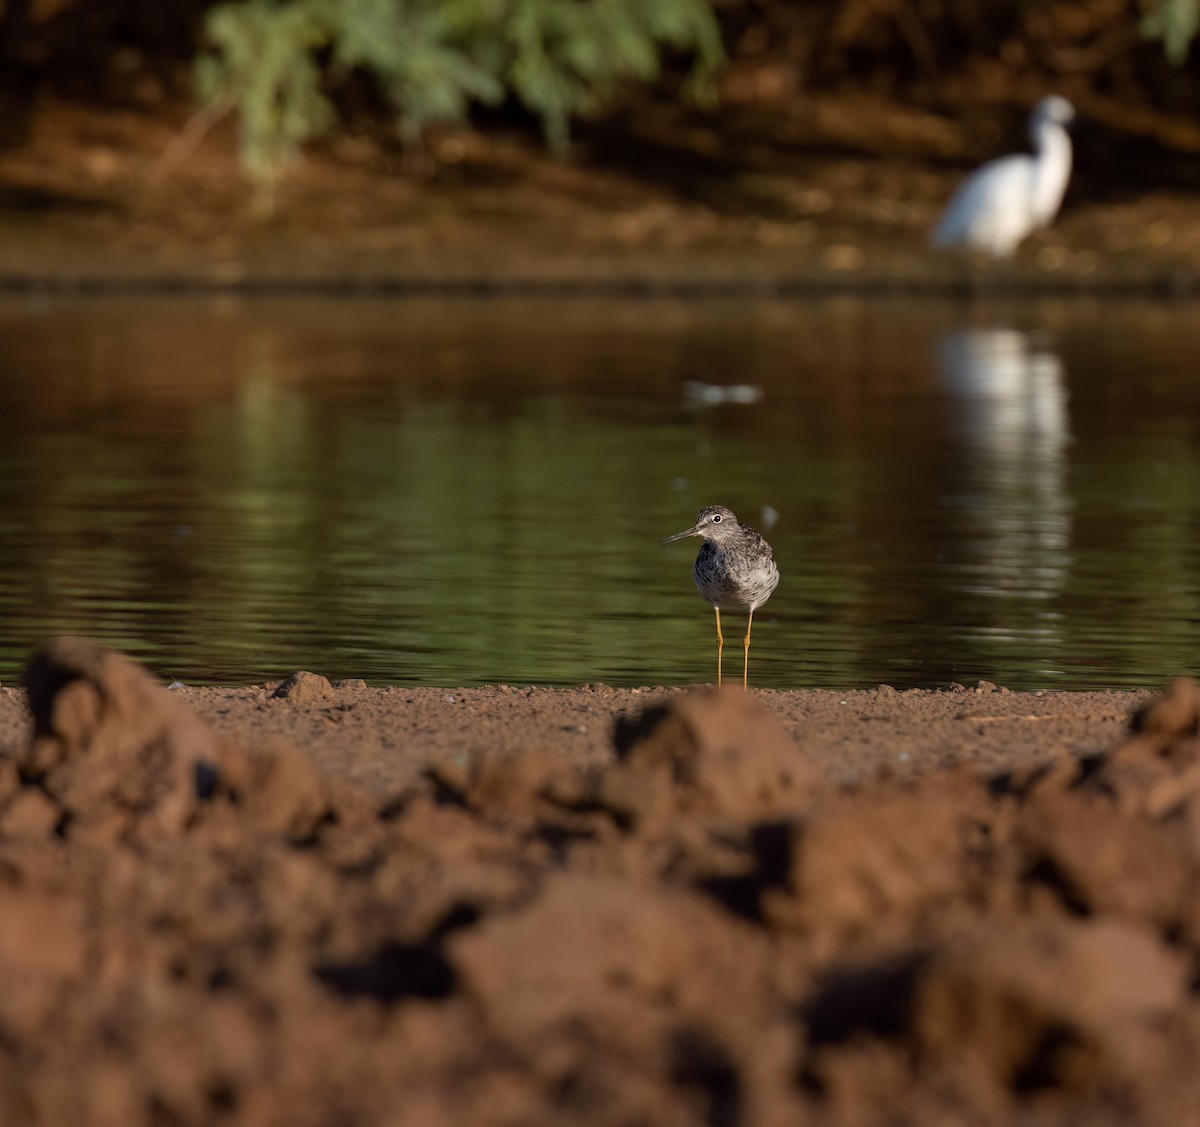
(262, 62)
(1175, 22)
(274, 60)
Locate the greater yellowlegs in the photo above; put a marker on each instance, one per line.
(735, 570)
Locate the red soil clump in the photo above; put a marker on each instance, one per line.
(702, 927)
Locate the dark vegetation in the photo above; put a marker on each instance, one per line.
(607, 141)
(291, 71)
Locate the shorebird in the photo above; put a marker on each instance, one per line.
(1001, 203)
(735, 570)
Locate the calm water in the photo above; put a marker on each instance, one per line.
(456, 492)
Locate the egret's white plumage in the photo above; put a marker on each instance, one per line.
(1001, 203)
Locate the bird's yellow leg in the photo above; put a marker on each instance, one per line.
(720, 645)
(746, 658)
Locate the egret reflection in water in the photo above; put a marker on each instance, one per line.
(1008, 416)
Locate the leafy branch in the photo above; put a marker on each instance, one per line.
(275, 61)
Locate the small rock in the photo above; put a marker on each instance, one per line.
(350, 685)
(304, 688)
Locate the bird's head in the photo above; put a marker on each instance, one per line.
(1053, 108)
(714, 523)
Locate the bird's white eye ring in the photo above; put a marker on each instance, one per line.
(716, 518)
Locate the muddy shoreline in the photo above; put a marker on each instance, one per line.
(382, 738)
(1155, 281)
(318, 904)
(87, 207)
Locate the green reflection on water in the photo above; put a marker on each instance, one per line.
(457, 492)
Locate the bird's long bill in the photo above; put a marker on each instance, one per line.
(693, 531)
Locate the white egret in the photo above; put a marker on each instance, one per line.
(1001, 203)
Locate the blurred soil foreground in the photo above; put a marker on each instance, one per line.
(701, 921)
(838, 132)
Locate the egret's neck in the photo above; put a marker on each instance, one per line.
(1052, 169)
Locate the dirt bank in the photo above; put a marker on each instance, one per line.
(593, 907)
(823, 195)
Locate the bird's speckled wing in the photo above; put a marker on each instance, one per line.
(736, 579)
